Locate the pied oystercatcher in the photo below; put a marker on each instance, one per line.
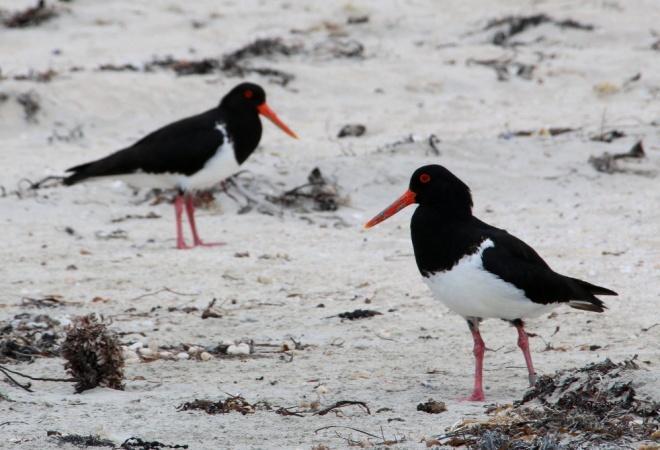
(480, 271)
(192, 153)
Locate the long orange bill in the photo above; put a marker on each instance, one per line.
(406, 199)
(265, 111)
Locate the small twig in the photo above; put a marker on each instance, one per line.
(341, 404)
(22, 386)
(350, 428)
(165, 289)
(9, 422)
(648, 328)
(68, 380)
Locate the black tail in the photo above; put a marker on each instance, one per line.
(80, 173)
(596, 290)
(590, 302)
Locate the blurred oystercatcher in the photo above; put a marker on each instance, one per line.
(480, 271)
(192, 153)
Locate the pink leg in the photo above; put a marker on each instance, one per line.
(190, 211)
(479, 349)
(178, 210)
(523, 343)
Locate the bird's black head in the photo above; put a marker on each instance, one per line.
(436, 187)
(244, 96)
(250, 98)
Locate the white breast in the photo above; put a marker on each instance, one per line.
(471, 291)
(222, 165)
(219, 167)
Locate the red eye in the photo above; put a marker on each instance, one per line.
(248, 94)
(425, 178)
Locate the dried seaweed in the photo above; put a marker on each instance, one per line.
(30, 103)
(118, 68)
(607, 162)
(513, 25)
(319, 191)
(608, 136)
(358, 314)
(552, 131)
(149, 215)
(184, 67)
(587, 407)
(28, 336)
(132, 443)
(93, 354)
(81, 441)
(352, 130)
(236, 62)
(431, 143)
(135, 443)
(233, 403)
(50, 301)
(30, 17)
(504, 68)
(432, 407)
(40, 77)
(210, 312)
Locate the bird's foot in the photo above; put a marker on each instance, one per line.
(181, 245)
(476, 396)
(532, 379)
(199, 243)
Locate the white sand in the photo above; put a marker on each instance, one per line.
(414, 79)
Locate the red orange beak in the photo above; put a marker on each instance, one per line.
(406, 199)
(265, 111)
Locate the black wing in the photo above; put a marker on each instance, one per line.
(180, 147)
(517, 263)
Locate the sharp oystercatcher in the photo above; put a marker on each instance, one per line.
(192, 153)
(480, 271)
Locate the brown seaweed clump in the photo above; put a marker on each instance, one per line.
(595, 406)
(93, 354)
(234, 403)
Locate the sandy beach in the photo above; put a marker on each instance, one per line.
(429, 85)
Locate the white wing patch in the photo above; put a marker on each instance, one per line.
(471, 291)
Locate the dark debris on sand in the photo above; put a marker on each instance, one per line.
(352, 130)
(135, 443)
(318, 194)
(432, 407)
(27, 336)
(358, 314)
(608, 136)
(31, 16)
(132, 443)
(595, 406)
(510, 26)
(80, 440)
(93, 354)
(607, 162)
(237, 63)
(233, 403)
(31, 105)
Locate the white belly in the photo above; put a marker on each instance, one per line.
(471, 291)
(219, 167)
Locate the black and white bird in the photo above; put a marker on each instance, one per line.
(480, 271)
(192, 153)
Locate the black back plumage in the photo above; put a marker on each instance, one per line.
(444, 231)
(186, 145)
